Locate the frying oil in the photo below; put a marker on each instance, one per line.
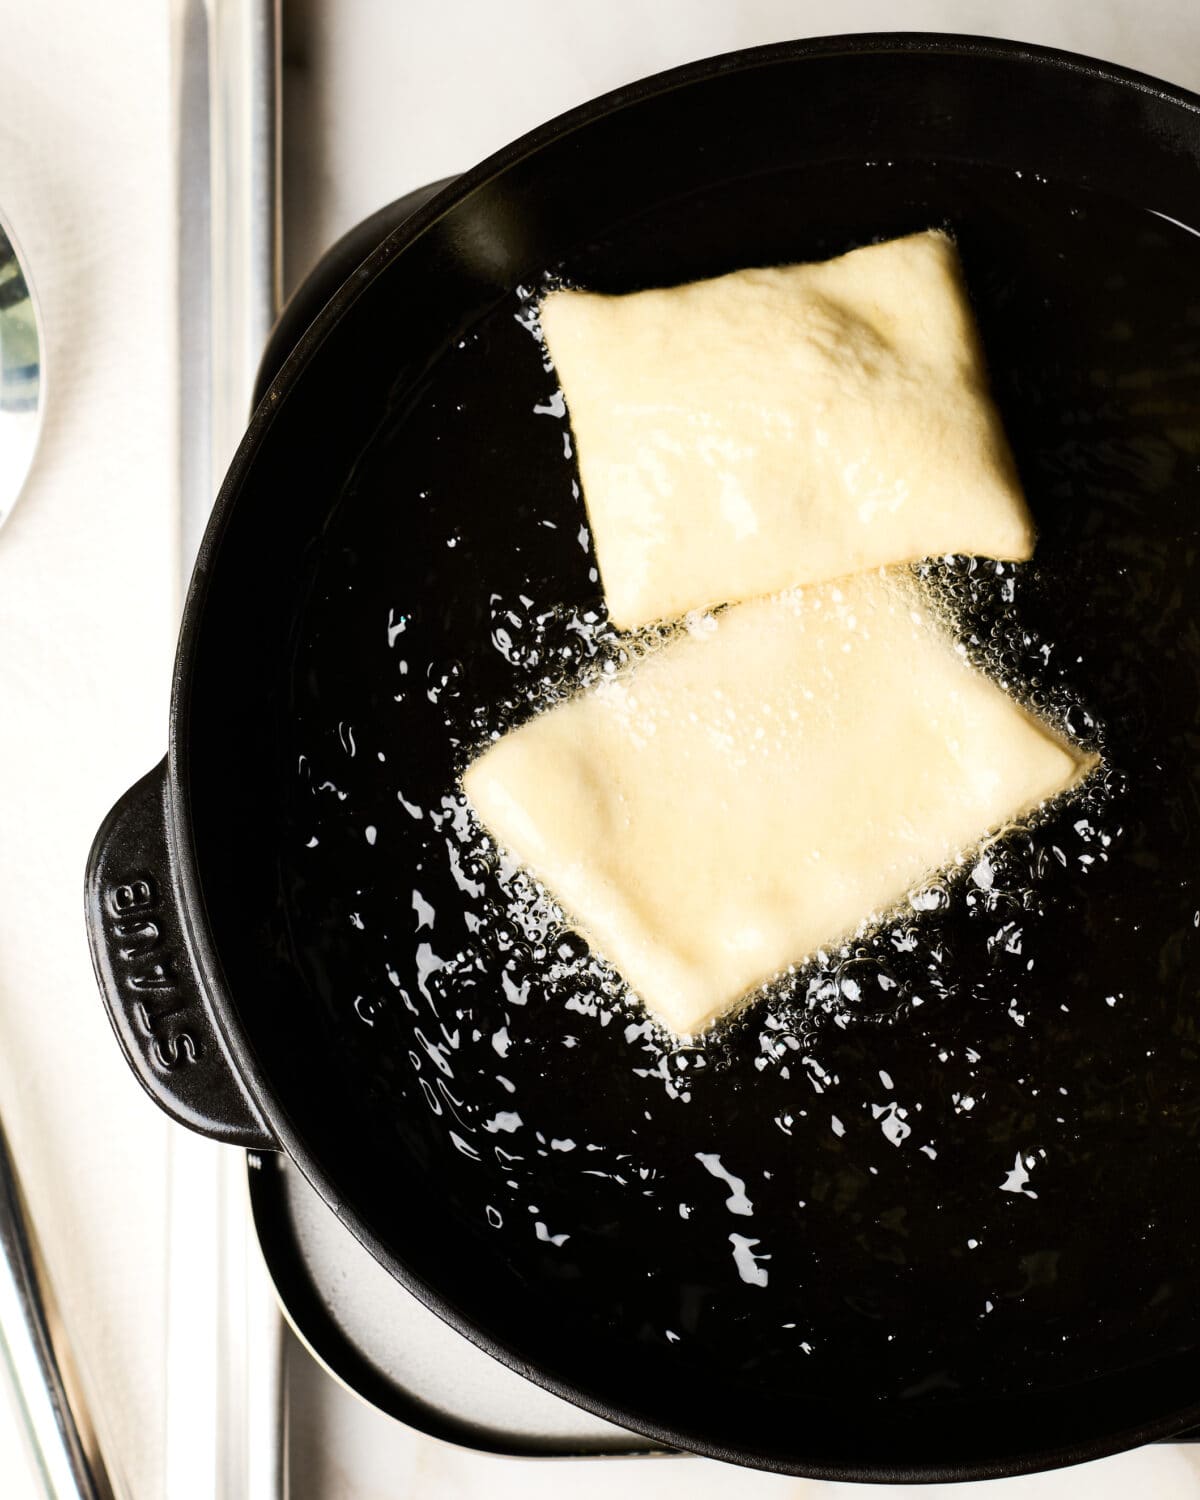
(952, 1154)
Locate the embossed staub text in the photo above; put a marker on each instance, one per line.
(147, 973)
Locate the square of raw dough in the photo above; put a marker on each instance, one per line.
(748, 794)
(782, 426)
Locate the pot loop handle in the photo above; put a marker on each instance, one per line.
(151, 987)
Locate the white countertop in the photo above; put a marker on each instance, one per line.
(88, 601)
(381, 97)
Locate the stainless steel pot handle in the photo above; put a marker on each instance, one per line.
(151, 987)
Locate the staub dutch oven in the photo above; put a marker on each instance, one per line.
(930, 1211)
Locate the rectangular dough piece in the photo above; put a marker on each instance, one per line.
(746, 795)
(778, 427)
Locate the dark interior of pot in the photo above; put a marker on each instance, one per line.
(928, 1207)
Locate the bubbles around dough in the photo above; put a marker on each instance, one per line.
(745, 796)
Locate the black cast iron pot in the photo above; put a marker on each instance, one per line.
(291, 926)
